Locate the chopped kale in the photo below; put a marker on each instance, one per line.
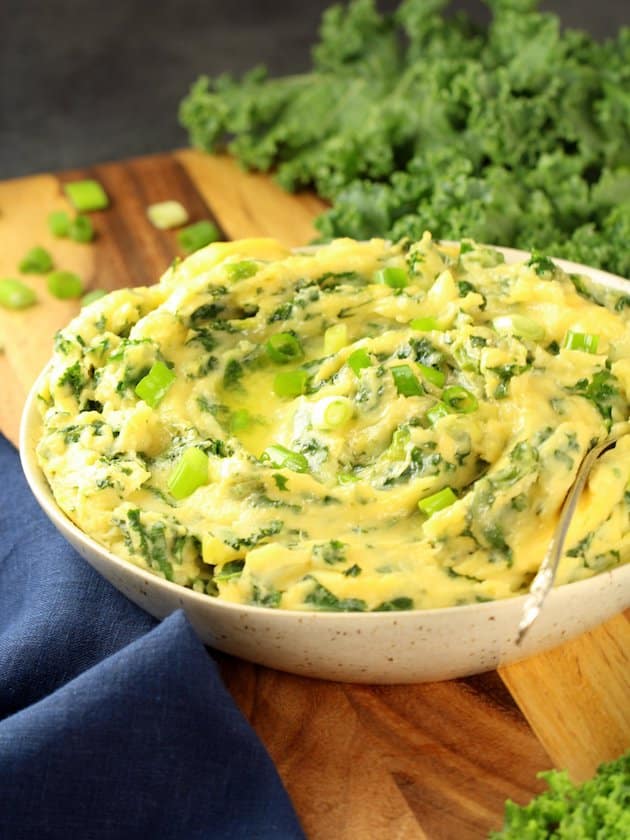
(61, 343)
(505, 374)
(230, 570)
(282, 313)
(152, 543)
(266, 598)
(396, 604)
(542, 265)
(239, 543)
(73, 376)
(204, 337)
(232, 375)
(330, 552)
(600, 390)
(323, 599)
(425, 352)
(205, 313)
(282, 481)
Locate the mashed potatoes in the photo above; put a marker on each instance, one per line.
(364, 426)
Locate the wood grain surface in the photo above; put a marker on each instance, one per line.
(430, 761)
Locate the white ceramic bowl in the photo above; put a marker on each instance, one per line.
(397, 647)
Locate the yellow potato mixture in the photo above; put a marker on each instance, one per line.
(362, 426)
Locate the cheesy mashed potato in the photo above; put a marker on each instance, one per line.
(363, 426)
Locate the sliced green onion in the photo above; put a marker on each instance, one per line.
(335, 338)
(167, 214)
(332, 412)
(242, 270)
(36, 261)
(459, 399)
(406, 381)
(290, 383)
(240, 419)
(15, 295)
(279, 456)
(438, 501)
(586, 342)
(395, 278)
(283, 348)
(197, 236)
(437, 411)
(86, 195)
(152, 388)
(519, 325)
(81, 229)
(358, 360)
(432, 375)
(65, 285)
(347, 478)
(424, 324)
(190, 473)
(90, 297)
(59, 223)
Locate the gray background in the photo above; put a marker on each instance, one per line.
(83, 81)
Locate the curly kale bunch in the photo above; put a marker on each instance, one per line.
(517, 134)
(599, 809)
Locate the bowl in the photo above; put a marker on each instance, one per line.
(378, 647)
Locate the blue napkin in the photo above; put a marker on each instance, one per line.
(112, 725)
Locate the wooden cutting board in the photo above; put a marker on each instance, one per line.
(426, 761)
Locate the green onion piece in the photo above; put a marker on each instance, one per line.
(335, 338)
(240, 419)
(90, 297)
(459, 399)
(406, 381)
(15, 295)
(290, 383)
(197, 236)
(36, 261)
(432, 375)
(86, 195)
(438, 501)
(65, 285)
(347, 478)
(167, 214)
(332, 412)
(190, 473)
(437, 411)
(395, 278)
(242, 270)
(81, 229)
(279, 456)
(586, 342)
(152, 388)
(424, 324)
(59, 223)
(519, 325)
(283, 348)
(358, 360)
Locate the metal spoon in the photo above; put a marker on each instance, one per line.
(545, 577)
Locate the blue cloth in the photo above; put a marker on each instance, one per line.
(112, 725)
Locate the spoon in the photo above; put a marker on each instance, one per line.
(546, 575)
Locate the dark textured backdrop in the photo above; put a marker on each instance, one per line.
(90, 80)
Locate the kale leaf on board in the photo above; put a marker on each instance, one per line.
(599, 808)
(517, 134)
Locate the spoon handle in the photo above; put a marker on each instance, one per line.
(546, 575)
